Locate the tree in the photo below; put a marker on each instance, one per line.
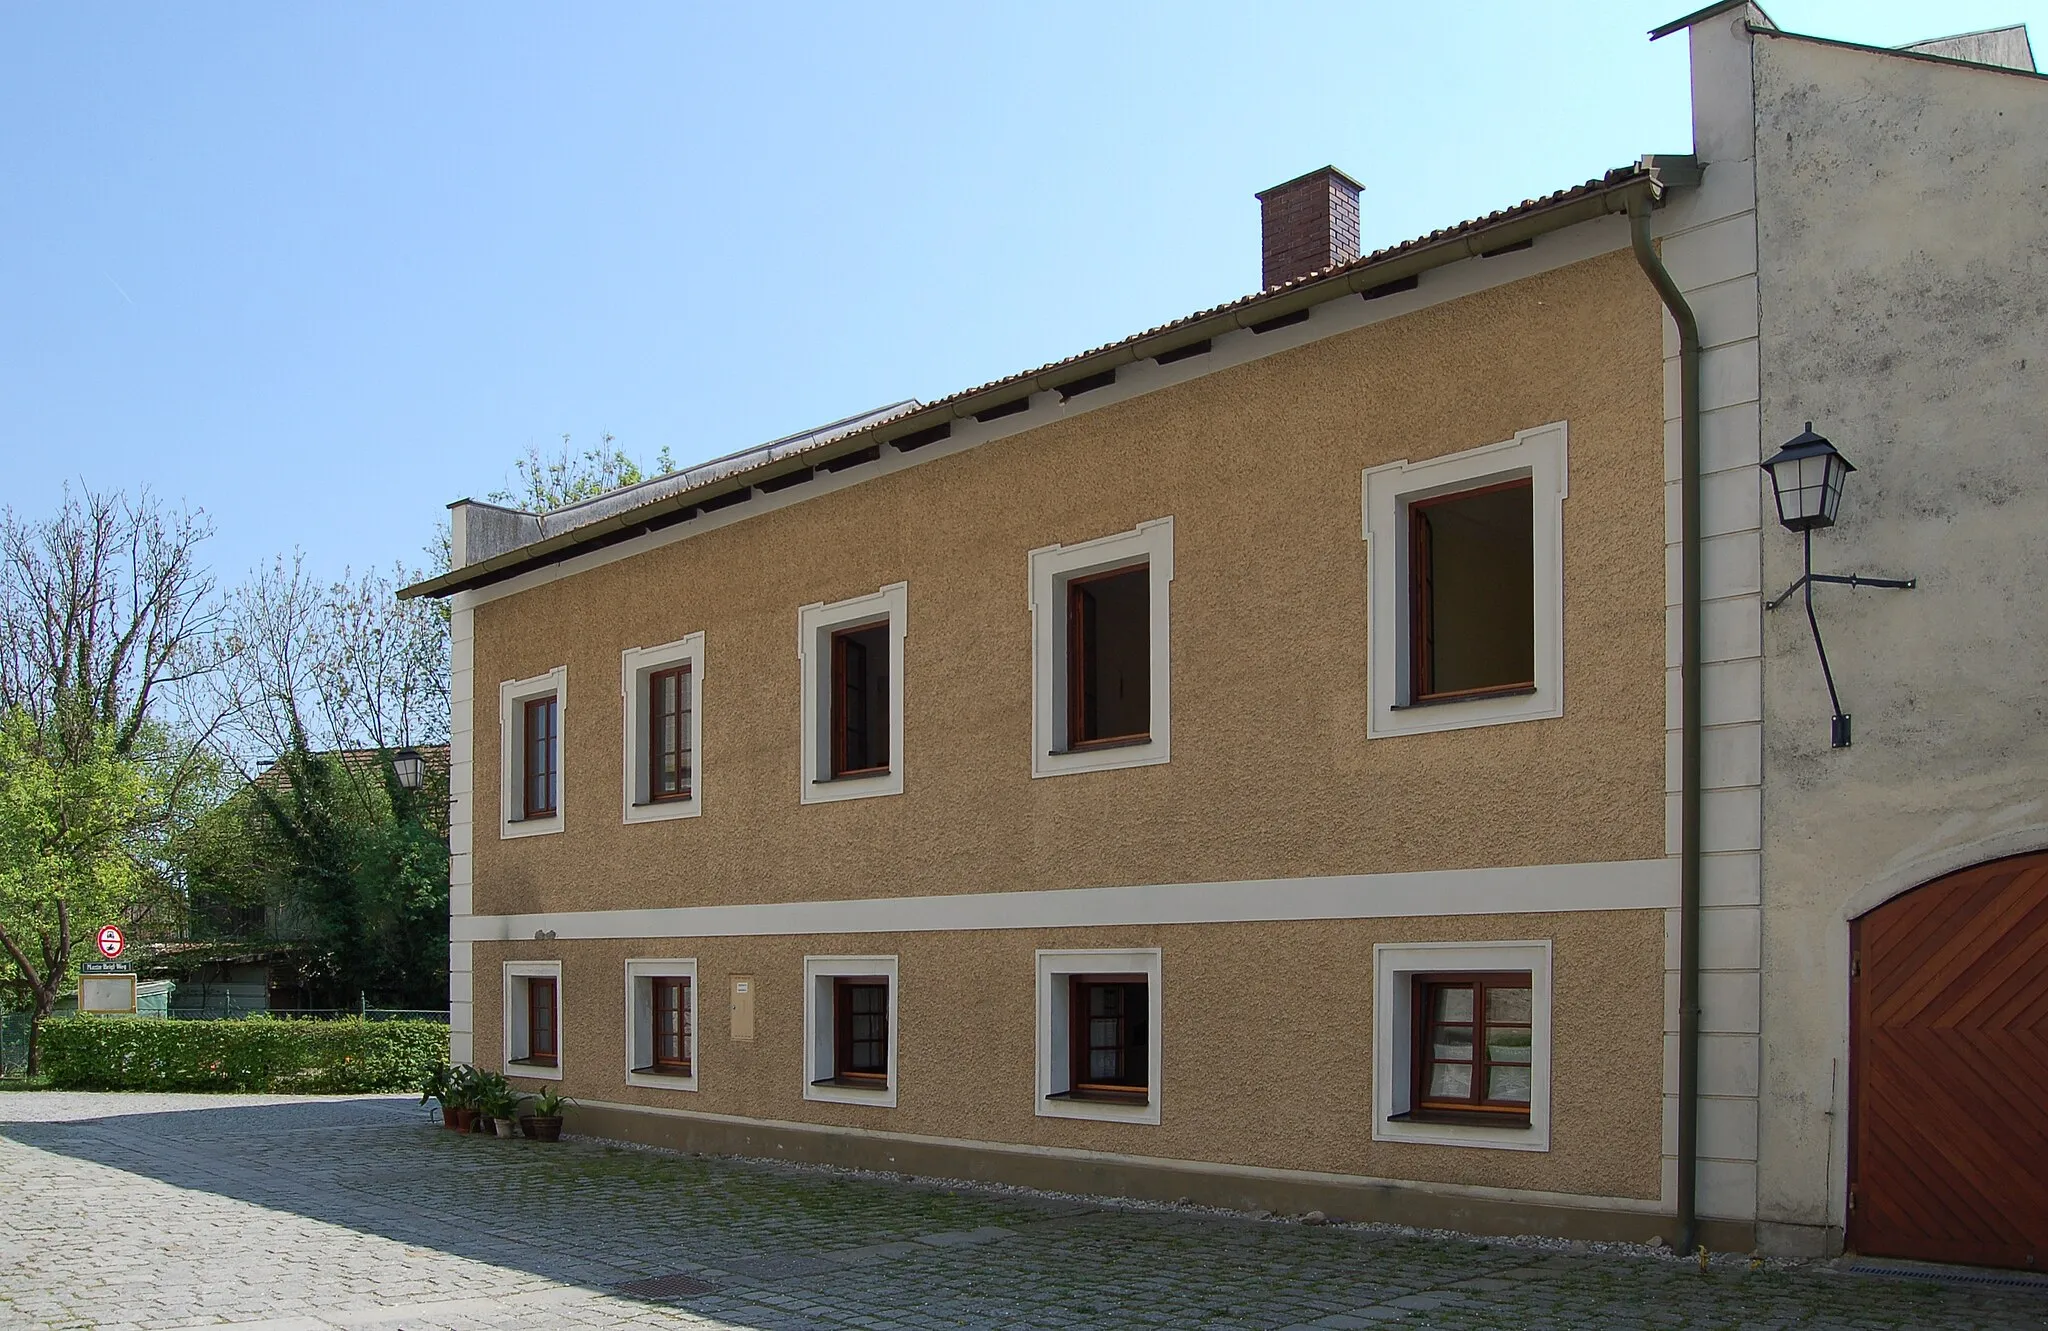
(549, 483)
(105, 614)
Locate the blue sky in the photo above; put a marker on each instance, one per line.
(322, 268)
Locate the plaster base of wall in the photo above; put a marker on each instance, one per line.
(1783, 1240)
(1364, 1200)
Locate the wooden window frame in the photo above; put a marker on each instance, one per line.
(1077, 651)
(1080, 1041)
(549, 752)
(836, 714)
(680, 719)
(1421, 602)
(843, 1071)
(678, 985)
(1477, 1109)
(536, 985)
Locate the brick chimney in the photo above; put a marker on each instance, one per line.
(1310, 223)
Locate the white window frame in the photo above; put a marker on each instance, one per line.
(516, 1032)
(635, 665)
(641, 972)
(1055, 966)
(513, 695)
(820, 1035)
(1051, 566)
(1395, 966)
(1538, 454)
(816, 624)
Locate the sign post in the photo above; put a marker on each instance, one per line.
(109, 985)
(112, 941)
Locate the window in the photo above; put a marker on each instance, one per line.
(1471, 576)
(1461, 1044)
(1101, 668)
(533, 1019)
(661, 1024)
(1109, 668)
(852, 713)
(1107, 1024)
(538, 744)
(860, 1016)
(1466, 591)
(860, 701)
(663, 732)
(850, 1029)
(1098, 1035)
(1472, 1047)
(532, 784)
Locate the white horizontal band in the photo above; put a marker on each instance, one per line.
(1536, 889)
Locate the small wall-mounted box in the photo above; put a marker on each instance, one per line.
(742, 1007)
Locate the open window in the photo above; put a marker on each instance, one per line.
(530, 718)
(850, 1029)
(1461, 1044)
(533, 1019)
(852, 654)
(661, 1024)
(1102, 675)
(1471, 583)
(1098, 1033)
(663, 767)
(1466, 603)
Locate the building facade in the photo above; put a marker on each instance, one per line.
(1246, 762)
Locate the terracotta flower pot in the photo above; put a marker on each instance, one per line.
(465, 1120)
(542, 1129)
(448, 1119)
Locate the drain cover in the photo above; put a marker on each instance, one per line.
(665, 1287)
(1949, 1275)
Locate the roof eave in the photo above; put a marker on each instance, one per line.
(1418, 257)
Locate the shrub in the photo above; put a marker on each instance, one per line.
(245, 1054)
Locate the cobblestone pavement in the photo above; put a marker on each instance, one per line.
(276, 1214)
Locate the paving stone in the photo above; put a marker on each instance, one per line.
(270, 1213)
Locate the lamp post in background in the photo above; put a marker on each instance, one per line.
(1807, 475)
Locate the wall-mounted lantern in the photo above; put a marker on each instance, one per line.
(1807, 476)
(409, 767)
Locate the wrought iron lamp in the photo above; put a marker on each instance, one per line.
(410, 767)
(1807, 476)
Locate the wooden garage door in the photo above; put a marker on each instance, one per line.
(1949, 1067)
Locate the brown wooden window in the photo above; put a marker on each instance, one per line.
(542, 1042)
(672, 1024)
(860, 1031)
(668, 739)
(1108, 1055)
(1109, 658)
(860, 700)
(541, 747)
(1471, 583)
(1473, 1052)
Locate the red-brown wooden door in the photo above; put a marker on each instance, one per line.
(1949, 1069)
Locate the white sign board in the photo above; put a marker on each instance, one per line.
(106, 993)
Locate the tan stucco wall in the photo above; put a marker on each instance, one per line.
(1265, 1042)
(1259, 466)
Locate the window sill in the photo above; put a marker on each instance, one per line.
(854, 1083)
(1136, 1098)
(533, 1062)
(666, 801)
(1094, 745)
(865, 774)
(1471, 1118)
(1470, 695)
(669, 1071)
(549, 816)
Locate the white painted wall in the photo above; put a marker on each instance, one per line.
(1902, 222)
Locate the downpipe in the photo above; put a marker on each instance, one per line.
(1689, 758)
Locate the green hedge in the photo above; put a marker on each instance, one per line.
(243, 1054)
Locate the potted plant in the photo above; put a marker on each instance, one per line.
(498, 1103)
(439, 1087)
(463, 1088)
(544, 1124)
